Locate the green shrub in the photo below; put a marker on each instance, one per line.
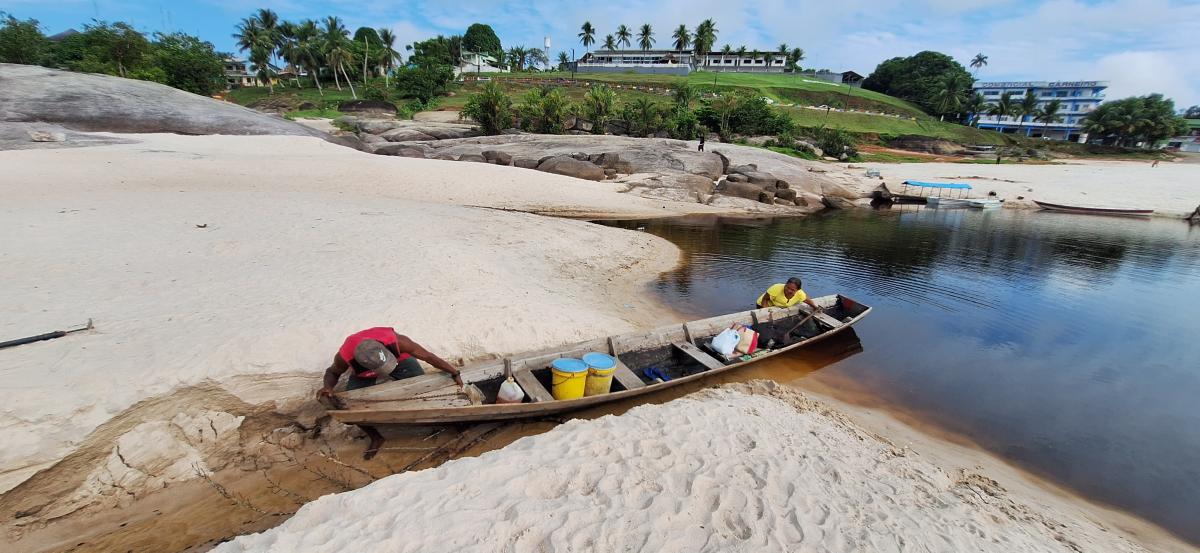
(491, 108)
(374, 91)
(642, 116)
(544, 110)
(423, 83)
(835, 142)
(599, 105)
(683, 124)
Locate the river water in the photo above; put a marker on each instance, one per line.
(1068, 344)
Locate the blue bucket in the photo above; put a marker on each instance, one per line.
(599, 361)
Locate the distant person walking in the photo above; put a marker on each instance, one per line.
(1155, 164)
(701, 148)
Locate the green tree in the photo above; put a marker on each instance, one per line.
(21, 41)
(423, 82)
(544, 110)
(705, 38)
(436, 51)
(253, 37)
(916, 78)
(337, 51)
(480, 38)
(1004, 107)
(741, 53)
(623, 35)
(309, 50)
(491, 108)
(642, 116)
(189, 63)
(587, 34)
(1147, 119)
(683, 38)
(646, 37)
(127, 47)
(1027, 107)
(975, 105)
(367, 47)
(1048, 114)
(536, 56)
(599, 105)
(388, 54)
(517, 55)
(724, 107)
(684, 95)
(794, 58)
(610, 43)
(951, 95)
(563, 61)
(1192, 112)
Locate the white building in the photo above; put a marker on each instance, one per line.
(676, 62)
(474, 62)
(1077, 98)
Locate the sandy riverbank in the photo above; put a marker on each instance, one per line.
(741, 468)
(1171, 189)
(243, 261)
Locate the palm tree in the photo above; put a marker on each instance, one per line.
(269, 21)
(587, 34)
(252, 36)
(741, 53)
(563, 61)
(337, 52)
(610, 43)
(623, 35)
(795, 58)
(683, 38)
(1027, 106)
(975, 105)
(308, 50)
(1003, 107)
(705, 37)
(950, 97)
(517, 56)
(770, 58)
(1049, 113)
(390, 55)
(646, 36)
(978, 61)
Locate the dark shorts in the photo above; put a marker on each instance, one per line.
(406, 368)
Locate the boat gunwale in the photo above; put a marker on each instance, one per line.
(1048, 206)
(476, 413)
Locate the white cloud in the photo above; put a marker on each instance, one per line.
(1139, 73)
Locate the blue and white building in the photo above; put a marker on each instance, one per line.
(1078, 98)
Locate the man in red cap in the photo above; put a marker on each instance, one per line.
(375, 351)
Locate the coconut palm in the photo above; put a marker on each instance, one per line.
(337, 51)
(979, 61)
(587, 34)
(951, 94)
(1003, 107)
(610, 43)
(269, 21)
(975, 105)
(309, 51)
(795, 57)
(769, 57)
(705, 37)
(288, 50)
(741, 53)
(1048, 114)
(517, 55)
(623, 36)
(390, 56)
(252, 37)
(646, 36)
(683, 38)
(1027, 106)
(563, 61)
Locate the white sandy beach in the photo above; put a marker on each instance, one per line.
(1171, 189)
(742, 468)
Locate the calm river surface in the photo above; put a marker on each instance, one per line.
(1068, 344)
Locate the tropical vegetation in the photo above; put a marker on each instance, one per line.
(1137, 119)
(923, 79)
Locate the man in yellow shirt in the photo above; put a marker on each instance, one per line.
(785, 295)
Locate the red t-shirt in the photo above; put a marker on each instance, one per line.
(383, 334)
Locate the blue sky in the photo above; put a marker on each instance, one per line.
(1140, 46)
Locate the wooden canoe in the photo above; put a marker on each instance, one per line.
(1094, 210)
(678, 350)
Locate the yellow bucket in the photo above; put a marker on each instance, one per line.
(570, 378)
(600, 373)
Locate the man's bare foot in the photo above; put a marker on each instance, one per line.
(373, 448)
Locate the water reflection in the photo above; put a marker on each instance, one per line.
(1065, 343)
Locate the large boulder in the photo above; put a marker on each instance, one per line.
(404, 135)
(571, 167)
(785, 194)
(525, 163)
(741, 190)
(926, 144)
(698, 184)
(376, 126)
(374, 107)
(497, 157)
(761, 178)
(101, 103)
(401, 150)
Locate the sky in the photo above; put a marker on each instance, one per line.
(1139, 46)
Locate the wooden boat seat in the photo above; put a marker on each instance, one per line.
(694, 352)
(627, 377)
(533, 388)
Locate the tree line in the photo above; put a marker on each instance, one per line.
(174, 59)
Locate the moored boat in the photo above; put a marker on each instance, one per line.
(1094, 210)
(677, 353)
(985, 203)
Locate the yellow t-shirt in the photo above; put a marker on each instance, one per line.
(778, 299)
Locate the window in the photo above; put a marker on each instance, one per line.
(991, 93)
(1046, 93)
(1060, 94)
(1076, 93)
